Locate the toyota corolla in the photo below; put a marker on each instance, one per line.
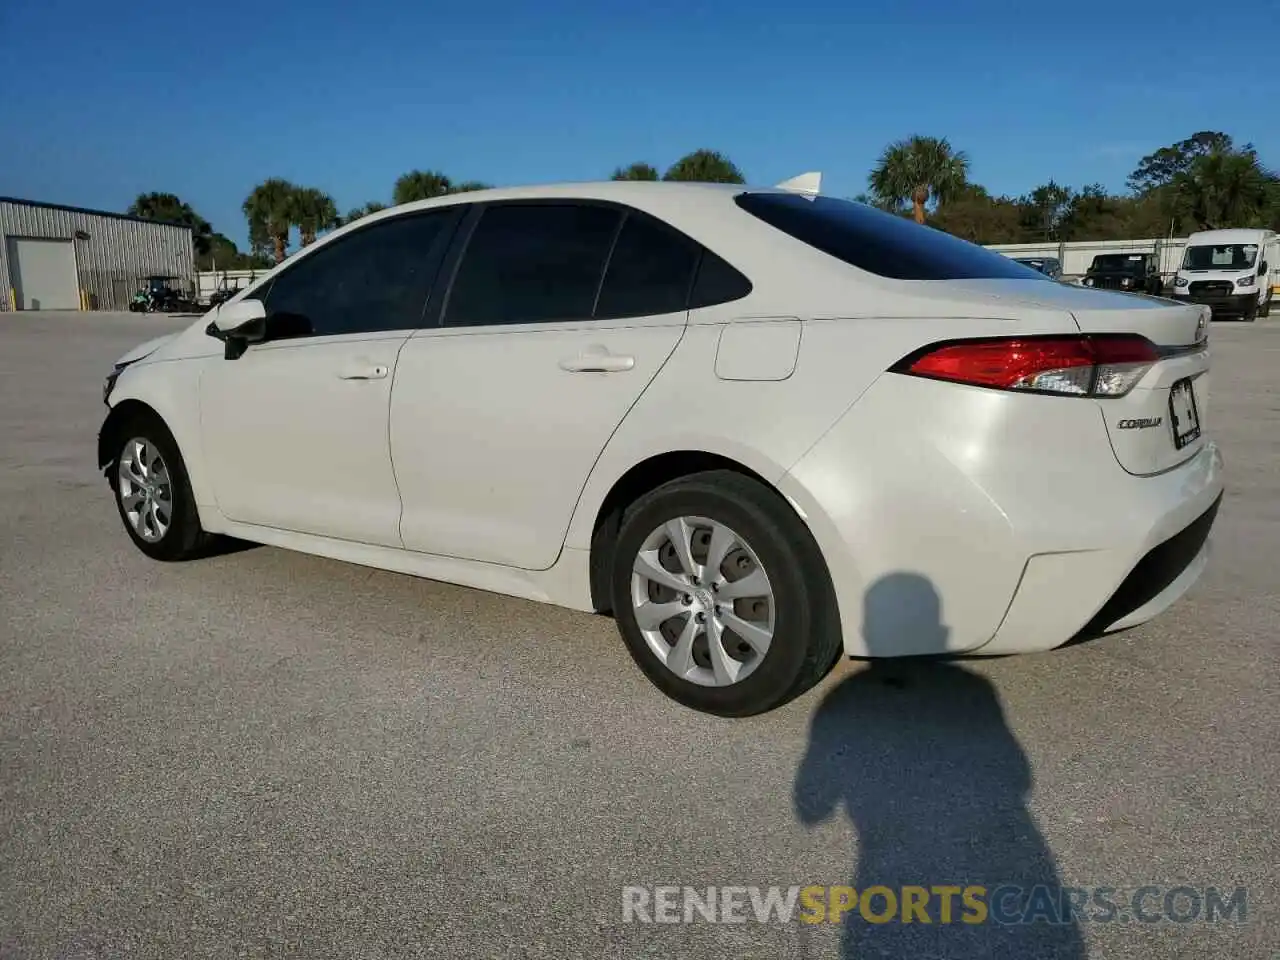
(762, 428)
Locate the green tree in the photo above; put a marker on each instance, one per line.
(1223, 189)
(1094, 214)
(270, 211)
(1158, 169)
(313, 211)
(420, 185)
(224, 255)
(974, 215)
(355, 213)
(1045, 209)
(888, 206)
(636, 171)
(705, 166)
(167, 208)
(468, 186)
(918, 170)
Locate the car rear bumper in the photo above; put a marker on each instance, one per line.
(1008, 515)
(1076, 595)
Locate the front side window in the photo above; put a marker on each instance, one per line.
(530, 263)
(879, 242)
(378, 278)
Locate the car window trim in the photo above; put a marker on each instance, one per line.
(439, 251)
(462, 241)
(478, 214)
(604, 271)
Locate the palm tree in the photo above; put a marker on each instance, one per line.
(705, 166)
(918, 170)
(313, 211)
(270, 211)
(421, 185)
(1223, 189)
(355, 213)
(636, 171)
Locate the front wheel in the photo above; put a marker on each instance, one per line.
(1265, 310)
(153, 494)
(1251, 311)
(722, 597)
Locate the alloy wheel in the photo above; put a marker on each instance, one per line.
(145, 490)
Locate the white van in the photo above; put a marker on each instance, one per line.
(1230, 270)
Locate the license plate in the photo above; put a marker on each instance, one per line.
(1183, 416)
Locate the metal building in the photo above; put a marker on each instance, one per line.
(66, 258)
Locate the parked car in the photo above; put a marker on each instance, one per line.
(760, 427)
(1136, 272)
(1229, 270)
(1051, 267)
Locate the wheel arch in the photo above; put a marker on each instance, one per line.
(167, 393)
(111, 434)
(634, 483)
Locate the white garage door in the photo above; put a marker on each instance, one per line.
(44, 274)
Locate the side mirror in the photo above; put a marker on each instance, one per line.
(239, 324)
(233, 317)
(1262, 268)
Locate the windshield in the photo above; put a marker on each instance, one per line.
(1123, 262)
(878, 242)
(1227, 256)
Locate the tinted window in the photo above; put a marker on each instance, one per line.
(880, 242)
(650, 270)
(527, 263)
(377, 278)
(717, 282)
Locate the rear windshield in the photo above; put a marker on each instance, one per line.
(879, 242)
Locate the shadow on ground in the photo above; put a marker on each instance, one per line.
(918, 756)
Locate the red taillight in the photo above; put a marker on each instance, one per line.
(1106, 366)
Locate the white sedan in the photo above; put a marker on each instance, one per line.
(761, 427)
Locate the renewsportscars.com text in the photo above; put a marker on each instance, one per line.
(936, 904)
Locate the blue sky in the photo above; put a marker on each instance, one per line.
(102, 101)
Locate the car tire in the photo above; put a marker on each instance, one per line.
(1265, 310)
(1250, 312)
(794, 620)
(152, 491)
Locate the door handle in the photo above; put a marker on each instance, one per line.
(596, 359)
(364, 371)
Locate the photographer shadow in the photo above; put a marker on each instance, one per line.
(918, 755)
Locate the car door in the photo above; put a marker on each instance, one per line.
(559, 316)
(295, 429)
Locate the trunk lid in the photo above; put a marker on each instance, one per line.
(1160, 422)
(1142, 425)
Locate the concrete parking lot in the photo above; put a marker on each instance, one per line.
(269, 754)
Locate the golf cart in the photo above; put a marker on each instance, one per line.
(159, 294)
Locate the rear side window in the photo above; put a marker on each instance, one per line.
(650, 270)
(527, 263)
(377, 278)
(717, 282)
(879, 242)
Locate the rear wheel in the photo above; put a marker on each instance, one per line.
(722, 596)
(153, 494)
